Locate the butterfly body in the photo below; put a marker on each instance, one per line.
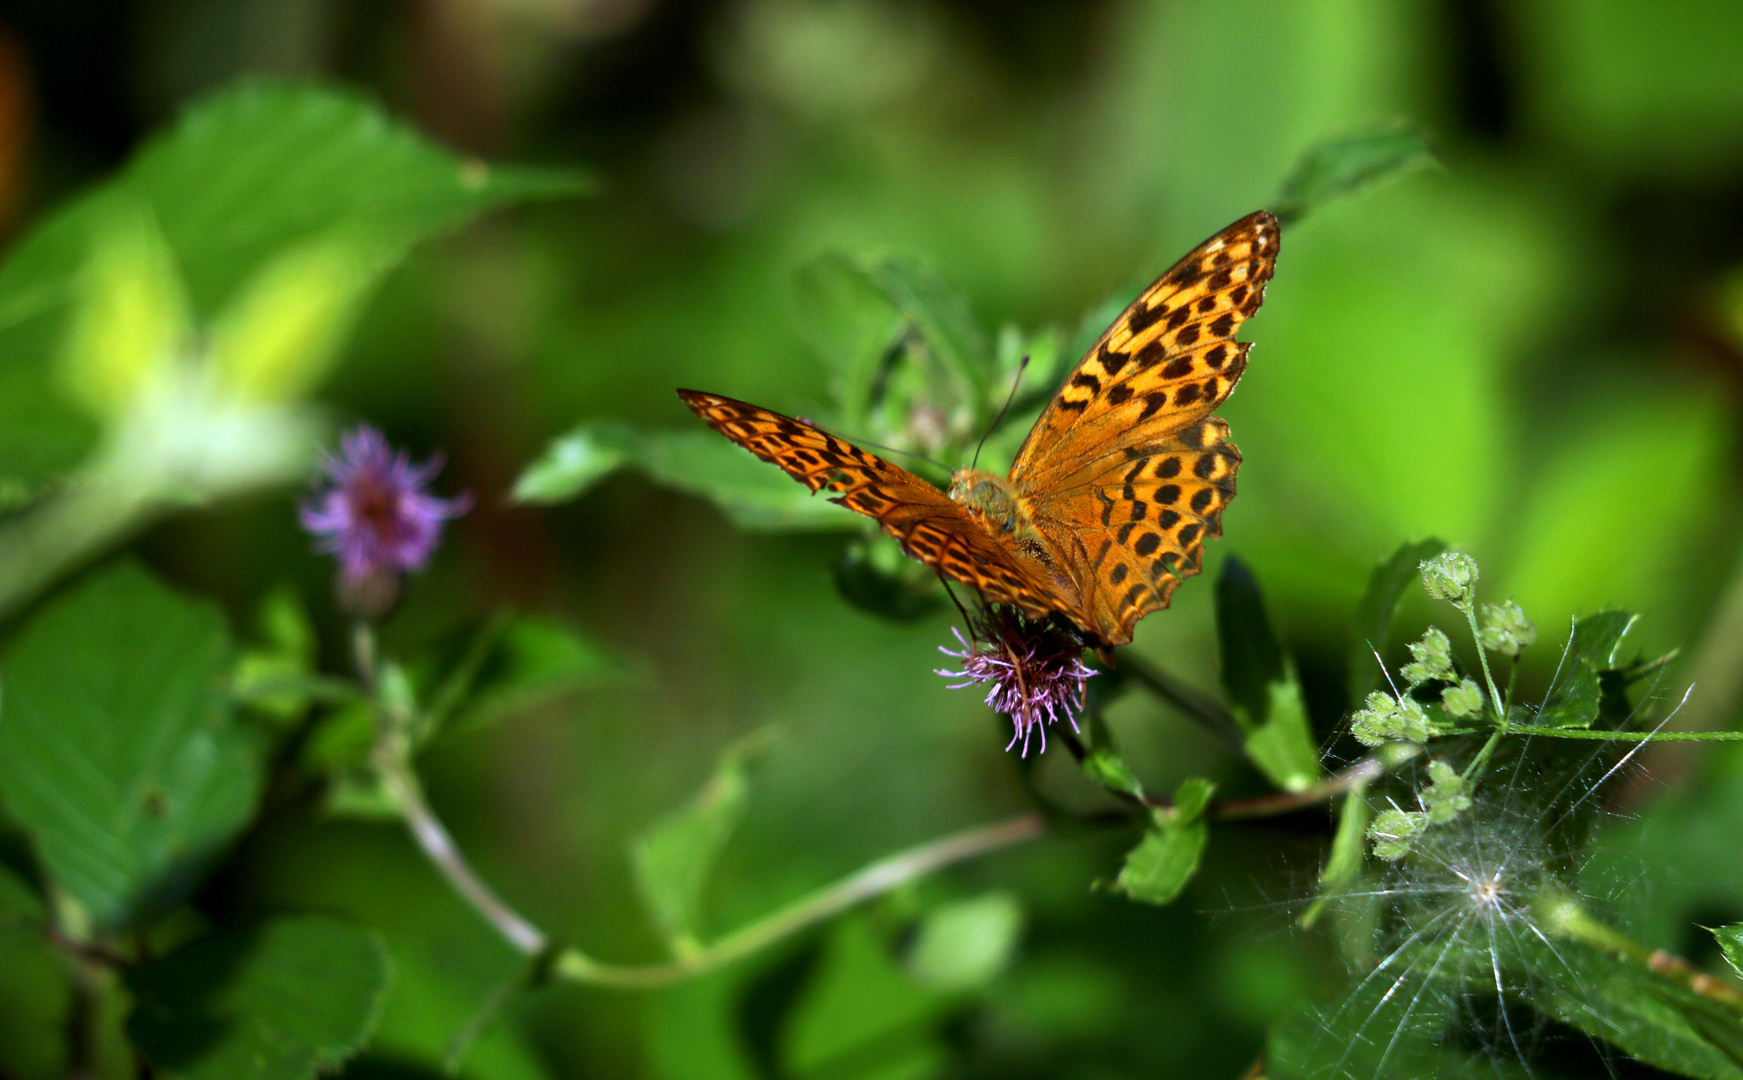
(1120, 482)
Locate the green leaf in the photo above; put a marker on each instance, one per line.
(967, 943)
(1102, 761)
(753, 493)
(1347, 850)
(1649, 1017)
(875, 317)
(1386, 586)
(1731, 942)
(282, 1000)
(1260, 679)
(1167, 857)
(20, 906)
(1347, 164)
(516, 663)
(118, 754)
(275, 674)
(875, 575)
(1574, 698)
(245, 177)
(860, 1017)
(675, 856)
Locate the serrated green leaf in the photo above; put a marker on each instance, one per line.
(1575, 697)
(118, 753)
(966, 943)
(1373, 628)
(243, 177)
(286, 999)
(1731, 943)
(1347, 164)
(1260, 678)
(753, 493)
(675, 856)
(1166, 858)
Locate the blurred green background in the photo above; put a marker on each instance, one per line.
(1534, 351)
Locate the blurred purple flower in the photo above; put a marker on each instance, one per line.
(373, 515)
(1035, 671)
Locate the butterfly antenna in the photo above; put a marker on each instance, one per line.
(877, 446)
(1012, 396)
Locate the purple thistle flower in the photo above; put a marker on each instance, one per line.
(374, 516)
(1035, 671)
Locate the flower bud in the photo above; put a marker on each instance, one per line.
(1445, 796)
(1505, 629)
(1388, 719)
(1393, 831)
(1451, 575)
(1433, 659)
(1464, 701)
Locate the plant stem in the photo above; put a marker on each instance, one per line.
(873, 880)
(392, 759)
(1284, 802)
(1567, 918)
(1199, 706)
(1613, 736)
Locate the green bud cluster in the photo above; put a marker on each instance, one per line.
(1464, 700)
(1433, 659)
(1505, 629)
(1447, 794)
(1393, 831)
(1384, 718)
(1451, 575)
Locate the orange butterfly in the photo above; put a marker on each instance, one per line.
(1120, 481)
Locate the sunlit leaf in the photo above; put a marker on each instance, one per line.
(118, 753)
(244, 177)
(286, 999)
(1573, 700)
(1731, 943)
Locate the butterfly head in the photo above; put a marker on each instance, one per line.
(989, 497)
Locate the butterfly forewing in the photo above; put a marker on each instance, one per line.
(1125, 468)
(928, 525)
(1168, 360)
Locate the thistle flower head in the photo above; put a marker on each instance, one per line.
(1034, 671)
(371, 512)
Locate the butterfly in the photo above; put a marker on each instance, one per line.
(1120, 482)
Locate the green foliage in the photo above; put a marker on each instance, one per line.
(1350, 163)
(119, 754)
(965, 944)
(1574, 700)
(1167, 857)
(675, 856)
(861, 1016)
(1263, 689)
(282, 203)
(1731, 943)
(753, 494)
(286, 999)
(1373, 627)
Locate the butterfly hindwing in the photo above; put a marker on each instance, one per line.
(928, 525)
(1141, 525)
